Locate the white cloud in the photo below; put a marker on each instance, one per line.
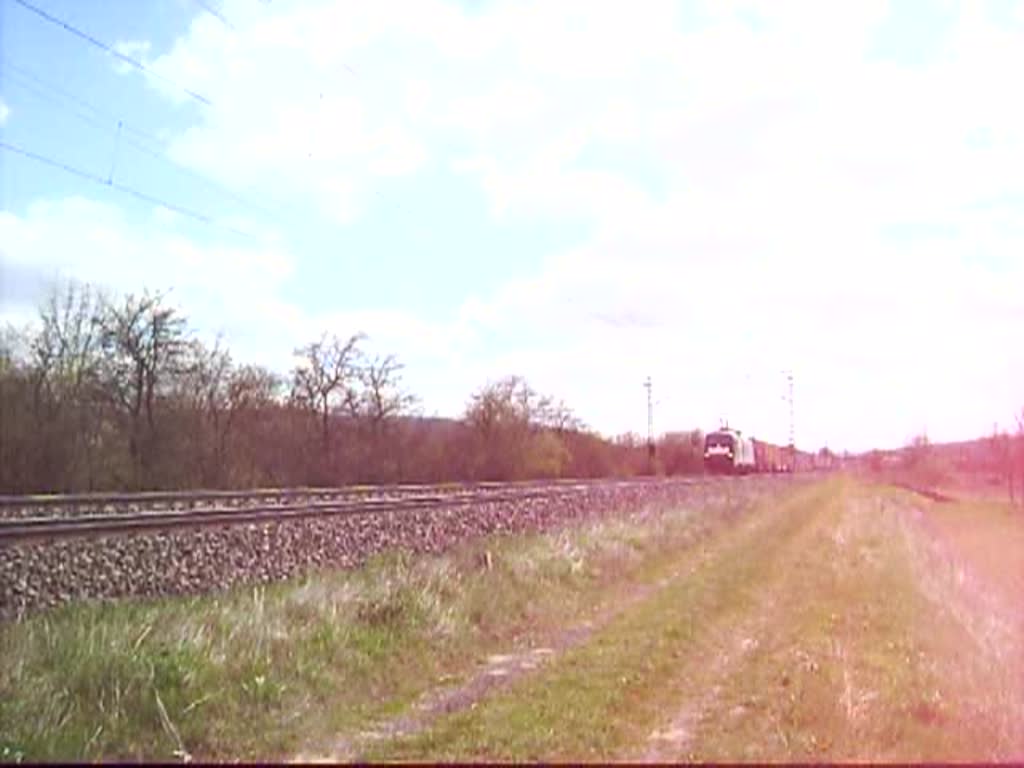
(746, 176)
(5, 112)
(221, 286)
(132, 49)
(790, 158)
(879, 352)
(222, 289)
(307, 99)
(788, 100)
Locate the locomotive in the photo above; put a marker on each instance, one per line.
(727, 451)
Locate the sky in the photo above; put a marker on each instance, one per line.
(584, 194)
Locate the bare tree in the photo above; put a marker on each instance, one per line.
(1019, 463)
(68, 343)
(513, 431)
(111, 393)
(382, 399)
(257, 442)
(65, 360)
(18, 436)
(682, 452)
(326, 378)
(555, 415)
(382, 395)
(252, 398)
(204, 383)
(1001, 455)
(498, 416)
(923, 463)
(143, 341)
(251, 387)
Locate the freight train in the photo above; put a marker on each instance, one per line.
(728, 451)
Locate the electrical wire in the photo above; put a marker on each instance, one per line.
(22, 74)
(111, 50)
(216, 14)
(123, 188)
(25, 74)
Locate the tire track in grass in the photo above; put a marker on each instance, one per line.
(498, 672)
(589, 700)
(746, 711)
(731, 642)
(503, 670)
(857, 662)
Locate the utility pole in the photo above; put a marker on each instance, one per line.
(792, 436)
(650, 425)
(792, 428)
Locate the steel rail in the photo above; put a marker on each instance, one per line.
(13, 531)
(100, 501)
(44, 500)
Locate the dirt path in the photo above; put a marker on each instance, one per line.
(673, 739)
(841, 623)
(504, 670)
(501, 671)
(496, 672)
(909, 654)
(603, 640)
(734, 638)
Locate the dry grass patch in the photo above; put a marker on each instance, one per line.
(267, 671)
(863, 661)
(595, 699)
(814, 631)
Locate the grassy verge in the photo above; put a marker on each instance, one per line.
(809, 632)
(987, 534)
(862, 665)
(264, 671)
(596, 700)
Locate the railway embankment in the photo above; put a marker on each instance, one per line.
(184, 560)
(266, 671)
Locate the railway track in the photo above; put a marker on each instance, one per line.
(73, 548)
(99, 504)
(25, 519)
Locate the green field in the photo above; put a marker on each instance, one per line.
(827, 621)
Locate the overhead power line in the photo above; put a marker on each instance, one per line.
(98, 117)
(124, 189)
(216, 14)
(21, 72)
(111, 50)
(86, 113)
(25, 74)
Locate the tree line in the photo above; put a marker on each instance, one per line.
(1007, 458)
(111, 392)
(996, 460)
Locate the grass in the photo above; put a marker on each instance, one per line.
(264, 671)
(988, 534)
(810, 632)
(829, 622)
(862, 666)
(595, 700)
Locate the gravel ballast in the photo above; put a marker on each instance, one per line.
(194, 561)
